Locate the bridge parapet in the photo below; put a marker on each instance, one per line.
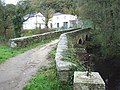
(24, 41)
(64, 67)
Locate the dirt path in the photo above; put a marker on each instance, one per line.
(16, 71)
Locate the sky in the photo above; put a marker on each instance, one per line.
(11, 1)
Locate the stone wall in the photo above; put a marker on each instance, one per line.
(24, 41)
(64, 67)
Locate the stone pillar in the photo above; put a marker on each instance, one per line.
(64, 70)
(84, 82)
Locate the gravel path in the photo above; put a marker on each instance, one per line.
(16, 71)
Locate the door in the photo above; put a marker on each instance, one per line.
(65, 25)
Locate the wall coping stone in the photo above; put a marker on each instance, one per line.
(84, 82)
(94, 78)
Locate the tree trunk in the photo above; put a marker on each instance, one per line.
(4, 34)
(17, 32)
(46, 23)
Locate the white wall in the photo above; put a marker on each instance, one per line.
(31, 22)
(61, 18)
(40, 20)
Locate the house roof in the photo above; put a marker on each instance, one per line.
(33, 14)
(29, 15)
(57, 14)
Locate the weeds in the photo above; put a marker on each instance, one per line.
(51, 54)
(70, 55)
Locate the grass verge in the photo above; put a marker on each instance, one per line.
(44, 79)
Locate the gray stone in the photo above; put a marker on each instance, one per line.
(13, 44)
(58, 56)
(60, 50)
(81, 50)
(63, 70)
(64, 65)
(63, 76)
(84, 82)
(62, 46)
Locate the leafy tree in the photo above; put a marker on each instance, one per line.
(5, 18)
(22, 8)
(65, 6)
(46, 9)
(104, 16)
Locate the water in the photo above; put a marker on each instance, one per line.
(110, 72)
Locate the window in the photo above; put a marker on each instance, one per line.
(51, 25)
(57, 25)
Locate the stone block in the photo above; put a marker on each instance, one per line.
(13, 44)
(61, 49)
(63, 76)
(64, 65)
(63, 70)
(84, 82)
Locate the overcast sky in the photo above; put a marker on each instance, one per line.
(11, 1)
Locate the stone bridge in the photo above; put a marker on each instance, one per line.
(79, 36)
(68, 39)
(81, 81)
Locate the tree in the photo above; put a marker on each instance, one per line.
(65, 6)
(104, 16)
(5, 18)
(22, 8)
(46, 9)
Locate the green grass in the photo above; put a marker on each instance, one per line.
(7, 52)
(43, 80)
(51, 54)
(46, 79)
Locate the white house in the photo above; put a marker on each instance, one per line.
(60, 20)
(35, 21)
